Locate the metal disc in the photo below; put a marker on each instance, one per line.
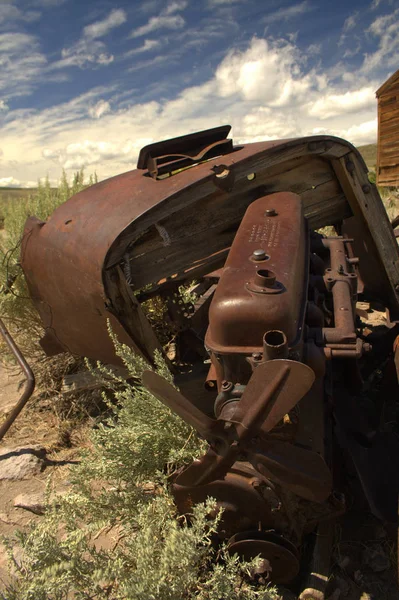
(280, 556)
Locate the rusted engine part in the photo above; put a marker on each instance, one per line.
(30, 380)
(180, 227)
(267, 484)
(340, 279)
(243, 461)
(263, 307)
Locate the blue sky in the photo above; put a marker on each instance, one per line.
(88, 83)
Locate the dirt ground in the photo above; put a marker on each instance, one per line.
(364, 563)
(37, 430)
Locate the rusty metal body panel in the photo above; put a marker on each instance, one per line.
(171, 225)
(275, 307)
(262, 284)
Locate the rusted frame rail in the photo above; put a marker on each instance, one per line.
(30, 380)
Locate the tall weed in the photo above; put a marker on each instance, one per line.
(117, 535)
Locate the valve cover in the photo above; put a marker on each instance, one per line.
(264, 282)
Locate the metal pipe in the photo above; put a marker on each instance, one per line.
(275, 345)
(342, 291)
(30, 380)
(211, 379)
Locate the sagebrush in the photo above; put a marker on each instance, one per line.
(15, 304)
(117, 535)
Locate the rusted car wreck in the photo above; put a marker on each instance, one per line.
(274, 338)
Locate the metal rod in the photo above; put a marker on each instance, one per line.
(30, 380)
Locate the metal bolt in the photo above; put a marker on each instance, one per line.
(259, 254)
(226, 385)
(271, 212)
(366, 188)
(257, 356)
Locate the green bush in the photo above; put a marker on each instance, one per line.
(15, 305)
(121, 488)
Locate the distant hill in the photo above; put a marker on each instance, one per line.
(369, 153)
(8, 193)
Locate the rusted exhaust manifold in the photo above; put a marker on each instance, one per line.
(339, 280)
(284, 304)
(278, 312)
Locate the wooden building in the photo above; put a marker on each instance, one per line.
(387, 168)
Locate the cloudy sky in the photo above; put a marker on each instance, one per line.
(87, 83)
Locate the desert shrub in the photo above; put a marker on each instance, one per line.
(15, 304)
(16, 307)
(117, 535)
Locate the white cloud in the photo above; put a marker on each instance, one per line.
(10, 182)
(350, 52)
(102, 107)
(89, 51)
(265, 91)
(386, 28)
(21, 63)
(161, 22)
(175, 6)
(314, 50)
(350, 22)
(100, 28)
(10, 13)
(48, 3)
(146, 47)
(83, 54)
(290, 12)
(266, 72)
(214, 3)
(363, 133)
(3, 106)
(149, 6)
(331, 105)
(167, 19)
(51, 154)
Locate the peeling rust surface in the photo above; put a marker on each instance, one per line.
(269, 355)
(67, 260)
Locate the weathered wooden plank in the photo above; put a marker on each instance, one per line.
(391, 163)
(389, 128)
(389, 137)
(326, 148)
(322, 214)
(211, 226)
(388, 176)
(130, 314)
(390, 170)
(389, 114)
(387, 101)
(390, 159)
(224, 209)
(390, 145)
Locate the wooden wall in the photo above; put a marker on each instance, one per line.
(388, 133)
